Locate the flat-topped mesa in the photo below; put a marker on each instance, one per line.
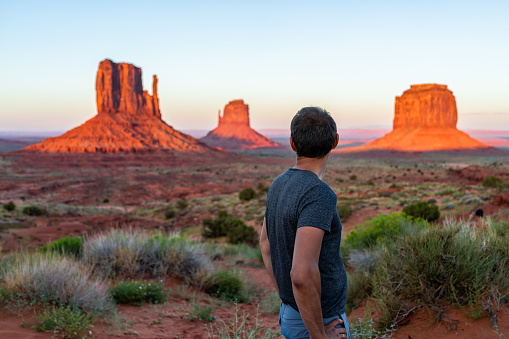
(120, 90)
(427, 105)
(236, 112)
(233, 131)
(425, 120)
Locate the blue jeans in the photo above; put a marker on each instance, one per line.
(292, 326)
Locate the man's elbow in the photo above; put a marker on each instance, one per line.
(301, 278)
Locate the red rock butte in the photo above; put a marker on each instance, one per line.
(233, 131)
(128, 119)
(425, 119)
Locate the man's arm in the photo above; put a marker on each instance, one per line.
(306, 284)
(265, 248)
(306, 279)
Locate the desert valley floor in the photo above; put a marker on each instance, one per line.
(160, 192)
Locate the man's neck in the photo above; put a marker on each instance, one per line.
(315, 165)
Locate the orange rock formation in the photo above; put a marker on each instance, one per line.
(425, 120)
(128, 119)
(233, 131)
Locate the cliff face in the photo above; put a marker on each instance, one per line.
(425, 118)
(128, 120)
(233, 131)
(429, 105)
(119, 90)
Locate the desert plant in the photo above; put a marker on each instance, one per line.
(247, 194)
(34, 211)
(344, 211)
(242, 233)
(493, 182)
(366, 329)
(181, 204)
(271, 303)
(235, 229)
(200, 312)
(262, 188)
(241, 328)
(170, 213)
(380, 228)
(51, 277)
(137, 292)
(359, 287)
(132, 252)
(422, 209)
(106, 200)
(69, 322)
(67, 245)
(451, 263)
(10, 206)
(228, 285)
(353, 177)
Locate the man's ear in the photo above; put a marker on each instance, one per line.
(293, 145)
(337, 141)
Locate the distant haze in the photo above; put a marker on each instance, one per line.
(351, 57)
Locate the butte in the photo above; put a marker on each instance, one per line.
(425, 120)
(233, 131)
(128, 120)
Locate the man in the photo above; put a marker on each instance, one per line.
(301, 235)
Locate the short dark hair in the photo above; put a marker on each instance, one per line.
(313, 132)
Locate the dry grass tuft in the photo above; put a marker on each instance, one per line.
(51, 277)
(133, 252)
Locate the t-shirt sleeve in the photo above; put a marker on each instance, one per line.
(317, 208)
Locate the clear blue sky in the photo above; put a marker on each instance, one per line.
(351, 57)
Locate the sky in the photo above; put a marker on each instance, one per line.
(350, 57)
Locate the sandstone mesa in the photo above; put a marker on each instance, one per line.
(128, 120)
(425, 119)
(233, 131)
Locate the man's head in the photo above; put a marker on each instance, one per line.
(314, 132)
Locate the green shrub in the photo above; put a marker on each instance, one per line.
(228, 285)
(201, 313)
(247, 194)
(5, 294)
(235, 229)
(423, 210)
(359, 288)
(181, 204)
(69, 322)
(137, 292)
(344, 211)
(380, 228)
(106, 200)
(34, 211)
(242, 233)
(10, 206)
(353, 177)
(67, 245)
(452, 263)
(492, 182)
(170, 213)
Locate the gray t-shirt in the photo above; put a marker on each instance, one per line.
(299, 198)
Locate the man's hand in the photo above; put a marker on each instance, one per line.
(332, 332)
